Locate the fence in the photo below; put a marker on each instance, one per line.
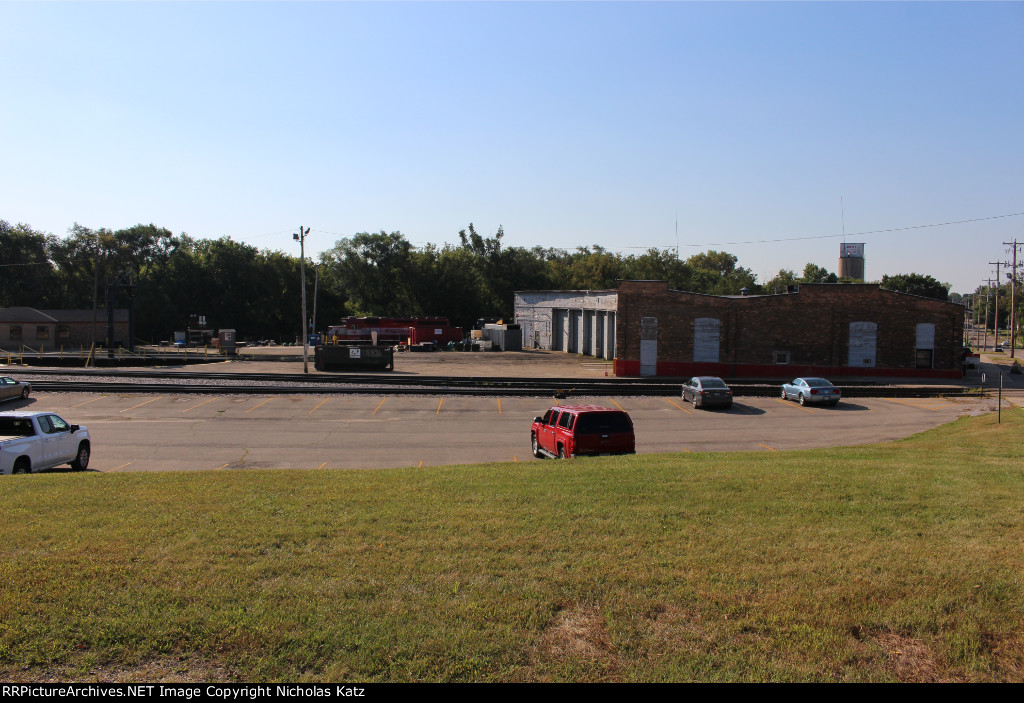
(88, 356)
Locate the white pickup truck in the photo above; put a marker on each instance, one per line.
(37, 441)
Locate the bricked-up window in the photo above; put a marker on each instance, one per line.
(648, 346)
(15, 331)
(42, 332)
(782, 357)
(863, 341)
(925, 347)
(706, 333)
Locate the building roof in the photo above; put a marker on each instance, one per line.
(18, 314)
(120, 315)
(24, 315)
(603, 291)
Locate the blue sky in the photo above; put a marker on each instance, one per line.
(569, 124)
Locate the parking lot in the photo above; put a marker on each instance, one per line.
(226, 432)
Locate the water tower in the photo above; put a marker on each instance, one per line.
(851, 261)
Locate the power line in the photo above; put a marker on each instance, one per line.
(714, 244)
(256, 236)
(857, 234)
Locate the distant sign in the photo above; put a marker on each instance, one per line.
(849, 250)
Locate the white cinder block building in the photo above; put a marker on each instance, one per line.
(574, 321)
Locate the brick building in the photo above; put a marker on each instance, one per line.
(50, 329)
(821, 329)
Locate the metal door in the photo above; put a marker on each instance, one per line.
(649, 346)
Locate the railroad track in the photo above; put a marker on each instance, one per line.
(197, 382)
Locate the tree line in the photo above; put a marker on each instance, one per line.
(994, 305)
(256, 291)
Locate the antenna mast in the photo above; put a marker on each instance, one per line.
(677, 234)
(842, 209)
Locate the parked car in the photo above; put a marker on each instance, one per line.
(811, 390)
(10, 389)
(571, 430)
(707, 392)
(34, 441)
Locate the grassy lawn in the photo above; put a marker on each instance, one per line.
(895, 562)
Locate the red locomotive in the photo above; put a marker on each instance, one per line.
(393, 330)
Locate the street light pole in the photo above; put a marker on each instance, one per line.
(301, 238)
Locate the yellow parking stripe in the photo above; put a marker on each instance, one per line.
(617, 405)
(499, 406)
(317, 407)
(679, 406)
(257, 406)
(322, 465)
(795, 405)
(438, 412)
(120, 467)
(771, 449)
(378, 406)
(924, 403)
(141, 404)
(196, 406)
(86, 402)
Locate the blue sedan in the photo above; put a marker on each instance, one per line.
(811, 390)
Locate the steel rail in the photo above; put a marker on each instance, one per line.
(473, 387)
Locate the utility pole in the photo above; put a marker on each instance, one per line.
(95, 286)
(316, 284)
(997, 265)
(1013, 299)
(301, 239)
(988, 291)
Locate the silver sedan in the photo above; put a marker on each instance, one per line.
(707, 392)
(10, 389)
(811, 390)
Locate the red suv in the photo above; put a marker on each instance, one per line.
(571, 430)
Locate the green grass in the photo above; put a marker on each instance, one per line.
(894, 562)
